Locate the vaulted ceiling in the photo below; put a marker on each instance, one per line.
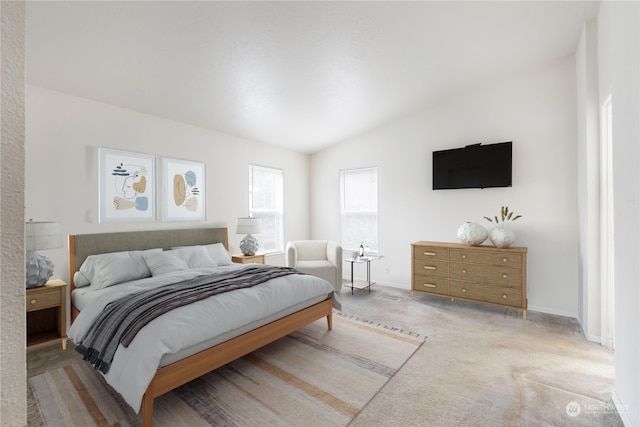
(302, 75)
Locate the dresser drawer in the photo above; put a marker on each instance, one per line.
(503, 295)
(43, 298)
(431, 253)
(500, 275)
(486, 257)
(434, 285)
(427, 267)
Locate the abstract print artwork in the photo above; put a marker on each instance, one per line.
(184, 190)
(127, 186)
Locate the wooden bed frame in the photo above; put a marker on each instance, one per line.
(181, 372)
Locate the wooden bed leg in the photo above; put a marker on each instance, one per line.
(330, 321)
(147, 410)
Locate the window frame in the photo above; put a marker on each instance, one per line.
(370, 241)
(277, 233)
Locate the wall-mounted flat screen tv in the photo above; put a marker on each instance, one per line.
(473, 166)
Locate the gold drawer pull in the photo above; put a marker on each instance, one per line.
(464, 290)
(430, 253)
(33, 301)
(464, 256)
(504, 260)
(464, 271)
(504, 275)
(430, 285)
(429, 267)
(504, 296)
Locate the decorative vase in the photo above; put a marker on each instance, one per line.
(502, 237)
(472, 234)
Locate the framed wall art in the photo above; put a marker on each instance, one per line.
(127, 186)
(183, 190)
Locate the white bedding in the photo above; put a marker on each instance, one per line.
(185, 329)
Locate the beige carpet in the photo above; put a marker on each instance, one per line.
(486, 366)
(312, 377)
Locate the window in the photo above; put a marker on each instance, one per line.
(266, 201)
(359, 204)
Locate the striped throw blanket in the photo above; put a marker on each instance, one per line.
(121, 320)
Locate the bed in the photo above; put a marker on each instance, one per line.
(269, 311)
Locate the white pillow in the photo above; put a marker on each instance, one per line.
(219, 254)
(80, 280)
(164, 262)
(194, 256)
(109, 269)
(88, 269)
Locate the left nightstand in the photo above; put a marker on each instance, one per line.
(47, 313)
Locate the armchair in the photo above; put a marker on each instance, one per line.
(320, 258)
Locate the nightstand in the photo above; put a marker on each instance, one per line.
(248, 259)
(47, 313)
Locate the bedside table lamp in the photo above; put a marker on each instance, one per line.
(40, 236)
(249, 226)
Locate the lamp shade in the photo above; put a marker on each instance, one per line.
(42, 235)
(249, 226)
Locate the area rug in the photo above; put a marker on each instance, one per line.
(312, 377)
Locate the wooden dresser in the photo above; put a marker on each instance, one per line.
(476, 273)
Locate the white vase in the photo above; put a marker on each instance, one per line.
(502, 237)
(472, 234)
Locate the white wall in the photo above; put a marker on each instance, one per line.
(619, 71)
(13, 384)
(537, 111)
(62, 140)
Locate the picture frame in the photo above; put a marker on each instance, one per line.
(184, 190)
(128, 184)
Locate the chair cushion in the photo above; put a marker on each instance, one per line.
(323, 269)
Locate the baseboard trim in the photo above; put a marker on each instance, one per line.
(552, 311)
(347, 280)
(622, 409)
(393, 285)
(594, 338)
(539, 309)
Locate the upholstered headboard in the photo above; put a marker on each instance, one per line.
(83, 245)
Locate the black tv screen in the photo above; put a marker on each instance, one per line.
(473, 166)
